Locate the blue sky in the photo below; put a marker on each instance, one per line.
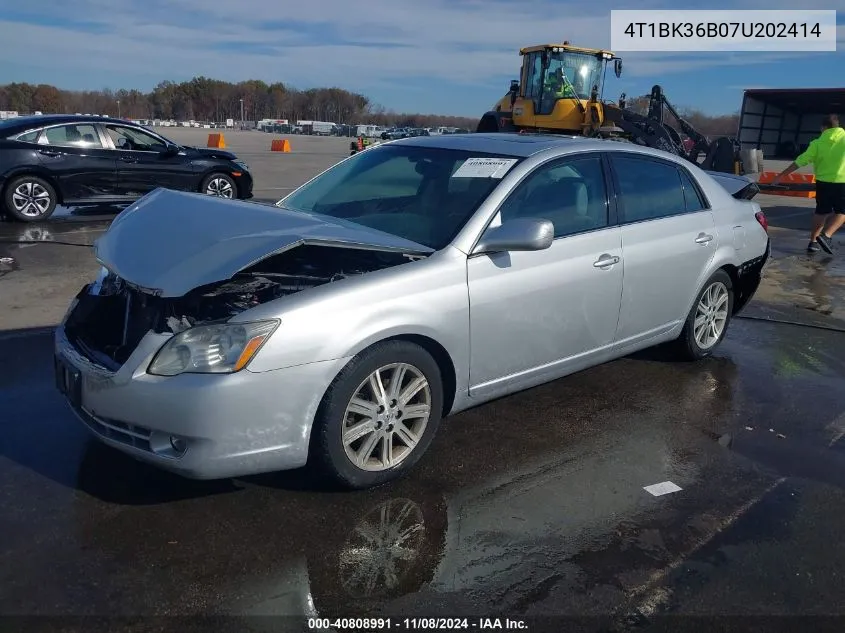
(444, 56)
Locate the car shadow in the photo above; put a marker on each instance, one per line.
(70, 214)
(114, 477)
(95, 210)
(663, 353)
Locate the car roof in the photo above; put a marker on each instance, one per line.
(22, 123)
(512, 144)
(525, 145)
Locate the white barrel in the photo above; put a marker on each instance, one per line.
(749, 160)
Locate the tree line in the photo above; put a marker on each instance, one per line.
(204, 99)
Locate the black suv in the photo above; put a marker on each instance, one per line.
(74, 160)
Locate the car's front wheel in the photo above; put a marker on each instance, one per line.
(708, 320)
(379, 416)
(30, 199)
(219, 185)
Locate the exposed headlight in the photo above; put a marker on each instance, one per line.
(241, 164)
(97, 284)
(211, 349)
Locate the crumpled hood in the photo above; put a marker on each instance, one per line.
(170, 242)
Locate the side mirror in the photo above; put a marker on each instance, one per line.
(520, 234)
(171, 150)
(617, 68)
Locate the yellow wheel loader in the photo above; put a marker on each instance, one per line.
(560, 92)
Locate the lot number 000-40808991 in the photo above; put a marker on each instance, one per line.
(411, 624)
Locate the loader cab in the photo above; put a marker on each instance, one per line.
(557, 84)
(553, 72)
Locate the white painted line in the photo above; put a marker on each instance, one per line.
(663, 488)
(650, 586)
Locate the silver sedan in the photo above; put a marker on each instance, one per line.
(406, 283)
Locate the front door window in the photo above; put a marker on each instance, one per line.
(131, 139)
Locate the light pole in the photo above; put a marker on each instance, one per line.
(118, 108)
(242, 114)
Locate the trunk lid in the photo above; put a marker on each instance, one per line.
(739, 187)
(169, 242)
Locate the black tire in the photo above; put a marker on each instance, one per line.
(487, 125)
(328, 452)
(38, 186)
(687, 347)
(215, 178)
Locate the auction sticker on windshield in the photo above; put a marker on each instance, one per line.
(484, 168)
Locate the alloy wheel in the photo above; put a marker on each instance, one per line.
(31, 199)
(386, 417)
(219, 187)
(711, 315)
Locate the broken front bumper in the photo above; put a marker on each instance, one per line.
(202, 426)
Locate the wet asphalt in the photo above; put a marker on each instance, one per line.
(532, 506)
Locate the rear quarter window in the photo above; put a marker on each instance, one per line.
(28, 137)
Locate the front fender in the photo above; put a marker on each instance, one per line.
(344, 318)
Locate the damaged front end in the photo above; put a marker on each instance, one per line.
(111, 316)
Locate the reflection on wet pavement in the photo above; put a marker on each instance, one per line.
(813, 283)
(530, 505)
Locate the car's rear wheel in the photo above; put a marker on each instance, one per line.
(379, 416)
(219, 185)
(30, 198)
(708, 320)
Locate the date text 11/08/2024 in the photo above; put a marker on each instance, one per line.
(723, 29)
(415, 624)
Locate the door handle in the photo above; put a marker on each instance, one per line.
(703, 238)
(128, 159)
(47, 152)
(606, 260)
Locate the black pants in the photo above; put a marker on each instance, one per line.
(830, 197)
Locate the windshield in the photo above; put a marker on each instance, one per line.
(581, 69)
(422, 194)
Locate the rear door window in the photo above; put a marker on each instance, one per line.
(73, 135)
(649, 189)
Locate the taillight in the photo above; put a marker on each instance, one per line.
(761, 218)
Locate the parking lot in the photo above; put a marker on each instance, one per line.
(532, 505)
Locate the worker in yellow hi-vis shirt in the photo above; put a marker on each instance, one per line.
(827, 156)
